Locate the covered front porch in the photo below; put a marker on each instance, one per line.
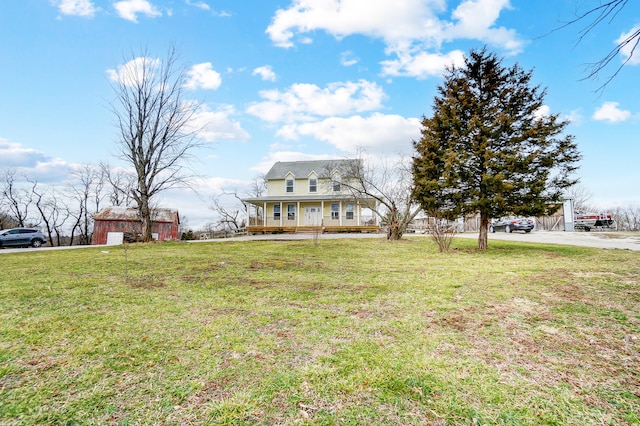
(300, 215)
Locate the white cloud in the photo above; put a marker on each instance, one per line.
(265, 72)
(213, 126)
(84, 8)
(627, 50)
(199, 4)
(575, 117)
(409, 28)
(129, 9)
(304, 101)
(390, 21)
(129, 73)
(543, 111)
(15, 155)
(203, 76)
(348, 59)
(32, 163)
(378, 132)
(422, 64)
(194, 206)
(475, 19)
(610, 112)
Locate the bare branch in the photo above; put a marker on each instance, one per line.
(390, 184)
(605, 13)
(155, 127)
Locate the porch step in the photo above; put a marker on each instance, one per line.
(309, 230)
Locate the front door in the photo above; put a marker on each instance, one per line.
(312, 216)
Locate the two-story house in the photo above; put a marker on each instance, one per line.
(312, 195)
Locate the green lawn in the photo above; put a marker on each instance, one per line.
(349, 332)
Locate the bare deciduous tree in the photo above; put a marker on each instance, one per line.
(120, 186)
(53, 213)
(581, 196)
(258, 189)
(16, 199)
(391, 185)
(86, 192)
(627, 218)
(231, 217)
(154, 121)
(7, 221)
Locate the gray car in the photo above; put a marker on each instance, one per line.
(22, 237)
(509, 224)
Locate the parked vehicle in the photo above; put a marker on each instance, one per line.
(22, 237)
(586, 221)
(509, 224)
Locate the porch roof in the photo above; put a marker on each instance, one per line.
(308, 198)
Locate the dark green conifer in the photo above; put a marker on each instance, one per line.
(488, 150)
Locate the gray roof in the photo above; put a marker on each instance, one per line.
(302, 169)
(366, 200)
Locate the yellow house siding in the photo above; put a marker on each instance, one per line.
(276, 187)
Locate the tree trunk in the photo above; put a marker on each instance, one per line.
(145, 217)
(394, 231)
(484, 226)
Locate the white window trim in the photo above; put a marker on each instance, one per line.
(336, 181)
(334, 211)
(316, 185)
(293, 185)
(347, 211)
(294, 211)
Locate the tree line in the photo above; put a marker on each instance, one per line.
(63, 212)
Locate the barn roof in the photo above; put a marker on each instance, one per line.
(131, 214)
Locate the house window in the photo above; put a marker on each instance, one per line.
(313, 185)
(337, 185)
(349, 211)
(276, 212)
(291, 211)
(335, 211)
(289, 185)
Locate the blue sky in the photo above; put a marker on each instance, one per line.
(284, 80)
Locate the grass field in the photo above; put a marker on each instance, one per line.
(345, 332)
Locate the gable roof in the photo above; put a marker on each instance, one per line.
(301, 169)
(131, 214)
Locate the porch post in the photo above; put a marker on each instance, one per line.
(281, 214)
(264, 214)
(298, 213)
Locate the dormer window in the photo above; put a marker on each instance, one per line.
(313, 184)
(337, 184)
(289, 184)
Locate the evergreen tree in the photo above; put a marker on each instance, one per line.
(488, 149)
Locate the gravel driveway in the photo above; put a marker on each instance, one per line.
(604, 240)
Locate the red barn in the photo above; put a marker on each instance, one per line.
(125, 220)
